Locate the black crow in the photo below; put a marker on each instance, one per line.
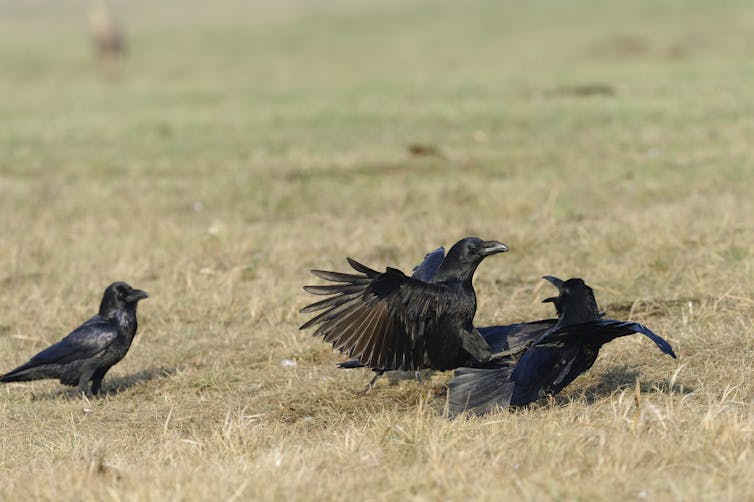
(561, 353)
(389, 321)
(89, 351)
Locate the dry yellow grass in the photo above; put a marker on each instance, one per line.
(227, 156)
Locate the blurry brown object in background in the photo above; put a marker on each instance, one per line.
(107, 33)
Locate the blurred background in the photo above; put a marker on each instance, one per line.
(400, 124)
(257, 82)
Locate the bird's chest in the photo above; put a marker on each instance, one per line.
(126, 326)
(126, 331)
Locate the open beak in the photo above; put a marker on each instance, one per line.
(135, 295)
(553, 280)
(493, 247)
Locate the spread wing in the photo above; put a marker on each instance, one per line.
(513, 337)
(427, 269)
(379, 318)
(601, 332)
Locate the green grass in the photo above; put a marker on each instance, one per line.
(239, 145)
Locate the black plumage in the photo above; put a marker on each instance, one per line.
(389, 321)
(425, 271)
(551, 361)
(88, 352)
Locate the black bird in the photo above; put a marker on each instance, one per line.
(389, 321)
(89, 351)
(565, 349)
(505, 341)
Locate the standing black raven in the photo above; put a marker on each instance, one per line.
(553, 360)
(389, 321)
(89, 351)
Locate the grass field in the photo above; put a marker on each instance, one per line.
(241, 144)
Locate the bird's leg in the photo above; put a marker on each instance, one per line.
(83, 386)
(377, 375)
(96, 384)
(97, 378)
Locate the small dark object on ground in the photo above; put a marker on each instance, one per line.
(419, 150)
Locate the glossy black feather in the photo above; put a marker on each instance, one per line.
(389, 321)
(479, 390)
(515, 337)
(88, 352)
(553, 360)
(429, 266)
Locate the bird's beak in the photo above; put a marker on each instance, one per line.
(553, 280)
(552, 299)
(135, 295)
(492, 247)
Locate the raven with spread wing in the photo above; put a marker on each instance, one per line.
(89, 351)
(567, 348)
(389, 321)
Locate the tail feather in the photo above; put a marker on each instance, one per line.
(350, 364)
(479, 390)
(28, 372)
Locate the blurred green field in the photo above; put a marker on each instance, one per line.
(240, 144)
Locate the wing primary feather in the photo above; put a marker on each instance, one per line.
(333, 330)
(341, 277)
(361, 339)
(330, 314)
(659, 341)
(348, 327)
(362, 268)
(329, 302)
(382, 338)
(333, 290)
(367, 331)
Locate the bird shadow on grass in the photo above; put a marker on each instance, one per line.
(116, 385)
(112, 386)
(622, 377)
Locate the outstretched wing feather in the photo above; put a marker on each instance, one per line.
(379, 318)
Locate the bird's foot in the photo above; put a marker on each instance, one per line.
(373, 381)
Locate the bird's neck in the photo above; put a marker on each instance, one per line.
(126, 319)
(450, 271)
(577, 314)
(124, 311)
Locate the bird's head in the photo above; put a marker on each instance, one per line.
(575, 301)
(466, 254)
(474, 250)
(119, 295)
